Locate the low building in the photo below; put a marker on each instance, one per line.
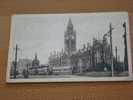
(62, 70)
(40, 70)
(23, 64)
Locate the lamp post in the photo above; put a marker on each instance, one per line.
(125, 49)
(111, 49)
(15, 63)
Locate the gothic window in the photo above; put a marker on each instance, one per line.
(73, 44)
(67, 43)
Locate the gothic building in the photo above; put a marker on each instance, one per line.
(95, 57)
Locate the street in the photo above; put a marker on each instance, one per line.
(87, 74)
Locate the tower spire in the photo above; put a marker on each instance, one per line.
(70, 38)
(70, 25)
(35, 55)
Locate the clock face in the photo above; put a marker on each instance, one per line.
(72, 37)
(67, 38)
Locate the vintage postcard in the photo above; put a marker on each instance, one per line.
(69, 47)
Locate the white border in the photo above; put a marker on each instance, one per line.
(80, 79)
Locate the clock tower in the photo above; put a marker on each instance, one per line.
(70, 39)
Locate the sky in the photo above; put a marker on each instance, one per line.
(44, 33)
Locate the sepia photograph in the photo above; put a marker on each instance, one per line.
(69, 47)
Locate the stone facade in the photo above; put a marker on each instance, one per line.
(89, 58)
